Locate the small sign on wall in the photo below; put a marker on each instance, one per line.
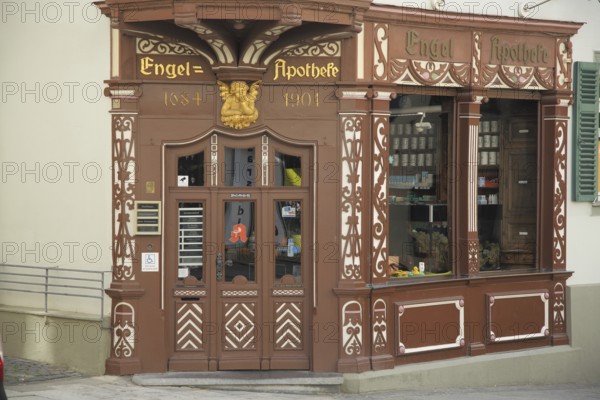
(147, 217)
(183, 273)
(150, 262)
(183, 181)
(288, 212)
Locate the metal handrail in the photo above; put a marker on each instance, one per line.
(48, 283)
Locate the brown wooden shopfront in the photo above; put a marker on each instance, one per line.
(334, 186)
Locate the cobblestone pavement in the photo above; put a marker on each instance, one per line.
(18, 370)
(28, 380)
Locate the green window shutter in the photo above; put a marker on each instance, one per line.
(585, 129)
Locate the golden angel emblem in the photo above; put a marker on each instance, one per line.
(239, 109)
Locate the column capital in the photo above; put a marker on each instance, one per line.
(383, 92)
(473, 96)
(558, 98)
(124, 94)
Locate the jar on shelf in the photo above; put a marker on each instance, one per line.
(494, 126)
(494, 141)
(485, 126)
(484, 158)
(487, 140)
(428, 160)
(414, 143)
(405, 142)
(404, 159)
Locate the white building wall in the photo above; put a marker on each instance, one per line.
(55, 143)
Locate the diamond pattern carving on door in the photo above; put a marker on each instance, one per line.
(288, 326)
(189, 327)
(240, 327)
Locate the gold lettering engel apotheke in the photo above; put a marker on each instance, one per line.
(310, 70)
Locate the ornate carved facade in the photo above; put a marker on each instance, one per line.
(308, 147)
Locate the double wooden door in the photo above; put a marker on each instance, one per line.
(237, 261)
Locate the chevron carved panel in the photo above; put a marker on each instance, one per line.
(188, 334)
(288, 326)
(240, 326)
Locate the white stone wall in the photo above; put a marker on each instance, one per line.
(55, 142)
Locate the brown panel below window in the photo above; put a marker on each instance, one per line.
(434, 324)
(518, 316)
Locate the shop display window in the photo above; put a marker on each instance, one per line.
(418, 186)
(191, 239)
(420, 136)
(240, 167)
(240, 240)
(191, 168)
(288, 171)
(288, 241)
(507, 184)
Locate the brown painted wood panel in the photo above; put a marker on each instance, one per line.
(435, 324)
(518, 316)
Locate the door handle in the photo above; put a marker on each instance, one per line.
(219, 267)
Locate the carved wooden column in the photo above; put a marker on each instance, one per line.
(381, 310)
(552, 217)
(125, 291)
(465, 235)
(553, 204)
(380, 130)
(553, 148)
(553, 191)
(354, 231)
(354, 130)
(464, 207)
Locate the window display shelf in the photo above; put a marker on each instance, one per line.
(410, 187)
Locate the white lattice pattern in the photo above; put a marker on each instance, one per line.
(288, 326)
(189, 326)
(240, 328)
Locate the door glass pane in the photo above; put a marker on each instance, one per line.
(288, 240)
(507, 184)
(191, 234)
(240, 236)
(288, 171)
(191, 167)
(420, 127)
(240, 169)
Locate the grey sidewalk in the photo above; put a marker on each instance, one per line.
(26, 380)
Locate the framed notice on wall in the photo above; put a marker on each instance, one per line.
(147, 217)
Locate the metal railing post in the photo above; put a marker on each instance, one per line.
(102, 298)
(46, 292)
